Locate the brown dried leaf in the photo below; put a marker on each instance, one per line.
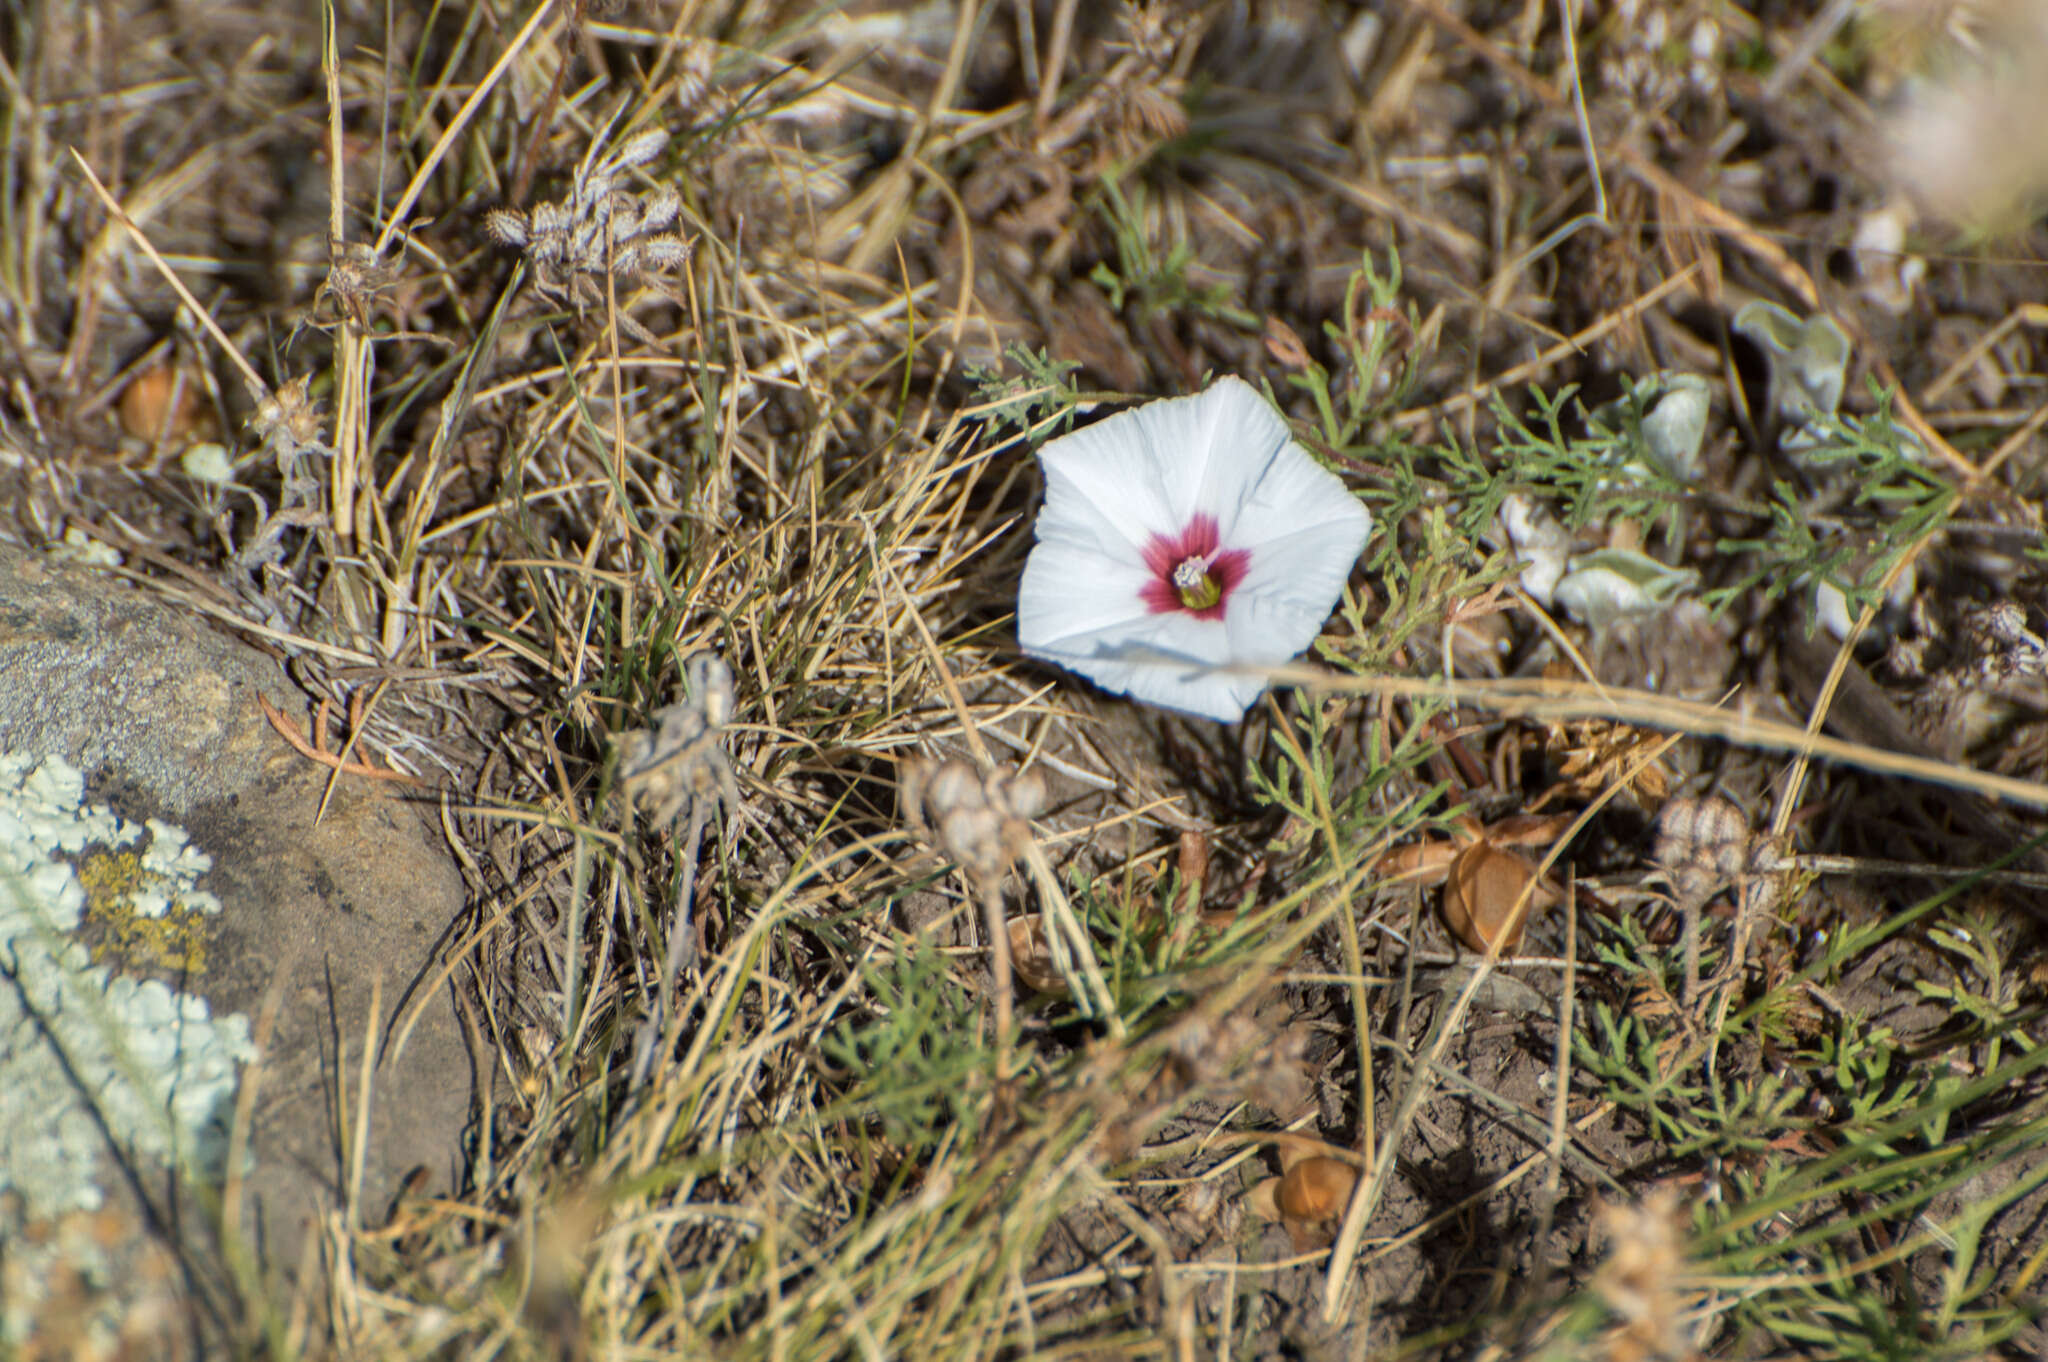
(1284, 345)
(162, 404)
(1482, 892)
(1031, 956)
(1315, 1190)
(1310, 1194)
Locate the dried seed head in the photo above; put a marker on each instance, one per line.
(953, 785)
(679, 765)
(693, 71)
(662, 210)
(660, 253)
(981, 821)
(290, 417)
(1703, 843)
(2006, 649)
(974, 836)
(600, 227)
(356, 278)
(1642, 1279)
(710, 683)
(507, 227)
(636, 150)
(1020, 795)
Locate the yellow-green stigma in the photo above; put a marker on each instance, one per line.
(1197, 587)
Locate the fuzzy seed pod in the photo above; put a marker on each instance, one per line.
(982, 820)
(1702, 844)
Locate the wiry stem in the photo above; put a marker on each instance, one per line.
(682, 949)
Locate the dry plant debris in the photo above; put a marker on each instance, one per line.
(1308, 1196)
(1340, 445)
(982, 820)
(1489, 896)
(1643, 1279)
(599, 229)
(680, 765)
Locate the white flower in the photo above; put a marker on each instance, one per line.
(1184, 536)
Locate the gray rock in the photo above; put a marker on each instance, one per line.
(123, 686)
(159, 710)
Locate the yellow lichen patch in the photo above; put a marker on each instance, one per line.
(110, 879)
(176, 940)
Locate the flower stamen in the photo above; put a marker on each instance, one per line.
(1199, 590)
(1192, 572)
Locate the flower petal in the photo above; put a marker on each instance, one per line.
(1090, 621)
(1296, 498)
(1114, 487)
(1251, 469)
(1074, 589)
(1086, 613)
(1108, 483)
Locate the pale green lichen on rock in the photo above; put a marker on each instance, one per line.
(86, 1054)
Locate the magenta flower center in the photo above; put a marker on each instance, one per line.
(1192, 571)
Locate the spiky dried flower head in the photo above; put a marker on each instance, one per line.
(287, 421)
(355, 279)
(2007, 650)
(681, 765)
(980, 819)
(507, 227)
(1703, 844)
(695, 60)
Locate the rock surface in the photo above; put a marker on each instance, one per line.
(159, 710)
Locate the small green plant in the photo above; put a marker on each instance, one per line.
(1146, 276)
(918, 1058)
(1037, 402)
(1858, 1152)
(1606, 471)
(1901, 500)
(1350, 403)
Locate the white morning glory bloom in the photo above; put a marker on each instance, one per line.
(1180, 537)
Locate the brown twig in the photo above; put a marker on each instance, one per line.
(317, 749)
